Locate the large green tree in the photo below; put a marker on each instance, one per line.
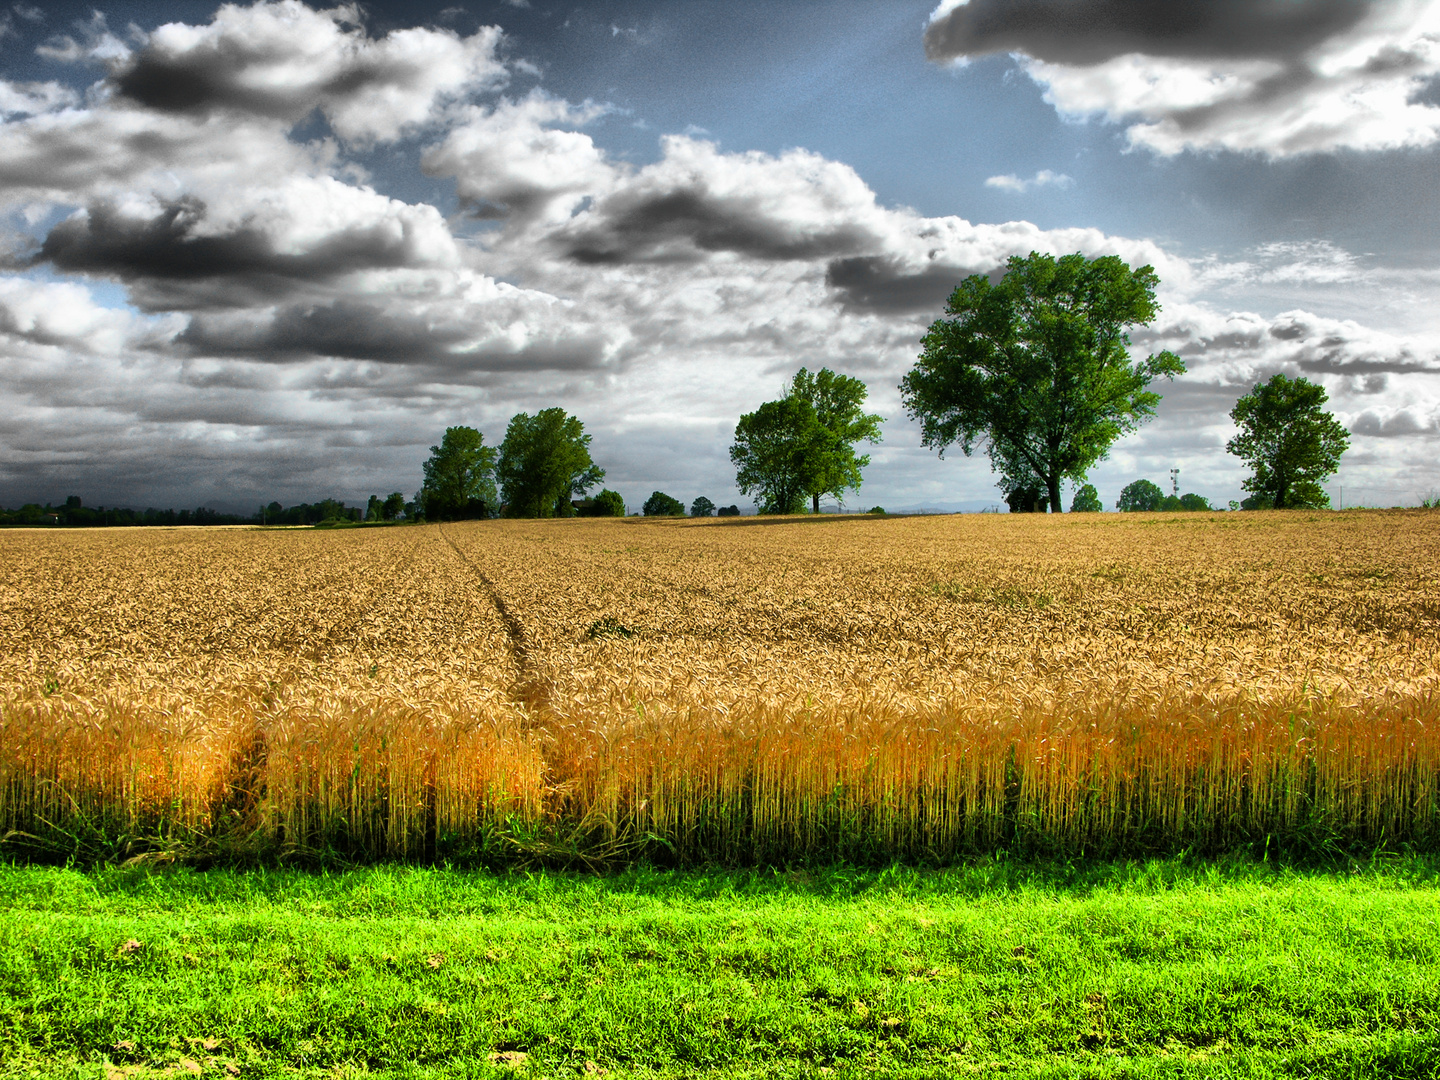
(1140, 495)
(459, 477)
(779, 454)
(1037, 367)
(661, 505)
(1289, 440)
(839, 404)
(544, 463)
(803, 445)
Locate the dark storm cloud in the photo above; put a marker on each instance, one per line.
(353, 328)
(349, 328)
(1335, 357)
(107, 242)
(687, 225)
(884, 286)
(1278, 77)
(1092, 31)
(174, 258)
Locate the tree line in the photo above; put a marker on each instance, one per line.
(1034, 369)
(72, 513)
(788, 452)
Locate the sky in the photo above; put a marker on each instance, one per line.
(271, 251)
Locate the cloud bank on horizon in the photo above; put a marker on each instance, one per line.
(215, 290)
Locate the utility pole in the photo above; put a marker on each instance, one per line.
(1175, 482)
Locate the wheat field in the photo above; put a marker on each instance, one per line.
(744, 690)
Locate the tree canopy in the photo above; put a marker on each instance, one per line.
(838, 401)
(702, 507)
(775, 454)
(1140, 495)
(1289, 441)
(1037, 368)
(607, 504)
(661, 505)
(804, 443)
(544, 462)
(1086, 501)
(459, 477)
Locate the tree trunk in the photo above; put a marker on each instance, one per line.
(1053, 483)
(815, 503)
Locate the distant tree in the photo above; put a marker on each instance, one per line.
(661, 505)
(779, 454)
(544, 463)
(877, 510)
(1289, 440)
(838, 402)
(702, 507)
(393, 506)
(607, 504)
(1191, 501)
(1037, 368)
(1141, 495)
(728, 511)
(459, 477)
(1086, 501)
(373, 508)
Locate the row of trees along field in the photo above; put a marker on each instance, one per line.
(73, 513)
(1034, 369)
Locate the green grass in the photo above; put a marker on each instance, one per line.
(1164, 969)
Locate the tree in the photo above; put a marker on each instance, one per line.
(1141, 495)
(544, 462)
(1289, 441)
(607, 504)
(779, 453)
(1191, 501)
(661, 505)
(838, 401)
(393, 506)
(372, 508)
(1086, 501)
(728, 511)
(702, 507)
(459, 477)
(1037, 368)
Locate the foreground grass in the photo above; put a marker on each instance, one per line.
(1161, 969)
